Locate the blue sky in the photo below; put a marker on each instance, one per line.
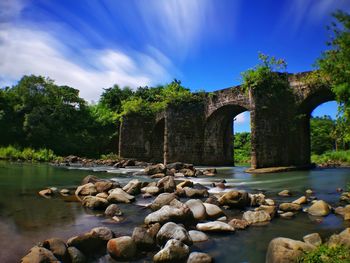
(94, 44)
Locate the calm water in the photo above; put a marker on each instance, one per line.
(26, 218)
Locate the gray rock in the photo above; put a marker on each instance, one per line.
(58, 247)
(168, 213)
(197, 236)
(155, 169)
(197, 208)
(133, 187)
(143, 239)
(197, 257)
(120, 196)
(238, 223)
(319, 208)
(235, 199)
(289, 207)
(313, 239)
(162, 200)
(76, 256)
(193, 193)
(39, 255)
(342, 239)
(167, 184)
(152, 190)
(173, 231)
(213, 211)
(103, 186)
(285, 193)
(113, 210)
(215, 226)
(173, 251)
(86, 189)
(94, 202)
(253, 217)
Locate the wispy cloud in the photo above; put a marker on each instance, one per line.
(242, 118)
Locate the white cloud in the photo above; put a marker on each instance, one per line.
(28, 51)
(242, 118)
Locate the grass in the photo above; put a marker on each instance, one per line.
(341, 157)
(325, 254)
(27, 154)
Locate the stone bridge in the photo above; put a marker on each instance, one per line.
(202, 133)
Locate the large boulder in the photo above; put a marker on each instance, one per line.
(151, 190)
(155, 169)
(197, 208)
(319, 208)
(94, 202)
(193, 193)
(271, 209)
(104, 186)
(113, 210)
(301, 200)
(342, 239)
(235, 199)
(168, 213)
(198, 257)
(143, 239)
(86, 189)
(197, 236)
(162, 200)
(76, 256)
(183, 184)
(285, 250)
(120, 196)
(177, 166)
(253, 217)
(58, 247)
(257, 199)
(133, 187)
(92, 242)
(173, 231)
(313, 239)
(213, 211)
(216, 226)
(90, 179)
(238, 223)
(173, 251)
(167, 184)
(39, 255)
(122, 248)
(343, 211)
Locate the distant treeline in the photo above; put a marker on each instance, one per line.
(39, 114)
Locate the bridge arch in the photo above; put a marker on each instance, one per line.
(218, 134)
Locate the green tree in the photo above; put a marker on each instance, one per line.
(322, 134)
(334, 65)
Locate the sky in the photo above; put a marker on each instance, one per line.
(91, 45)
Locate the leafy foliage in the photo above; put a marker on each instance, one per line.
(326, 254)
(334, 65)
(322, 134)
(265, 78)
(27, 154)
(242, 148)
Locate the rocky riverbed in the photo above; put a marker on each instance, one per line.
(181, 213)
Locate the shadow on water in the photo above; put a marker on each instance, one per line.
(26, 218)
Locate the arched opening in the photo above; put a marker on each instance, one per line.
(242, 139)
(311, 116)
(157, 142)
(219, 135)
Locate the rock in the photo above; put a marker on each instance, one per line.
(122, 248)
(285, 250)
(289, 207)
(198, 173)
(222, 219)
(46, 192)
(65, 191)
(269, 202)
(103, 186)
(215, 226)
(86, 189)
(197, 208)
(342, 239)
(58, 247)
(345, 197)
(120, 196)
(210, 170)
(133, 187)
(162, 200)
(238, 223)
(253, 217)
(39, 255)
(197, 257)
(93, 241)
(285, 193)
(235, 199)
(197, 236)
(113, 210)
(319, 208)
(155, 169)
(173, 231)
(94, 202)
(287, 215)
(177, 166)
(271, 209)
(168, 213)
(257, 199)
(167, 184)
(173, 251)
(187, 172)
(313, 239)
(160, 175)
(212, 200)
(153, 230)
(309, 192)
(179, 175)
(213, 211)
(192, 193)
(300, 200)
(76, 256)
(129, 163)
(183, 184)
(102, 195)
(343, 211)
(143, 239)
(90, 179)
(152, 190)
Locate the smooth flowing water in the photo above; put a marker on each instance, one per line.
(26, 218)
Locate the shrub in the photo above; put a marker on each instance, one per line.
(326, 254)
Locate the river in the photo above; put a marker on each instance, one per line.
(26, 218)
